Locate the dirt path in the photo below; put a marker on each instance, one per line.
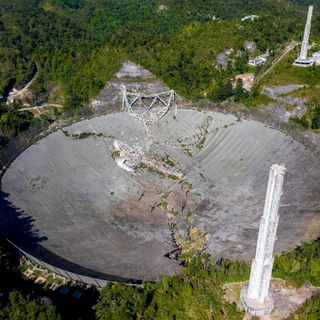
(18, 94)
(38, 108)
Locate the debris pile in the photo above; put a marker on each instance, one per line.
(132, 158)
(190, 244)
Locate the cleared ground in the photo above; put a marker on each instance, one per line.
(286, 298)
(66, 199)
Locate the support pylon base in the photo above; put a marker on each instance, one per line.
(254, 307)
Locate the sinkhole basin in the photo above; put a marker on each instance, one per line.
(66, 202)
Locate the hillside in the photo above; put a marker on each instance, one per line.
(78, 45)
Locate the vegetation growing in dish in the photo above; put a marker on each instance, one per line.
(83, 135)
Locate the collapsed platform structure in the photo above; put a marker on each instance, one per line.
(147, 108)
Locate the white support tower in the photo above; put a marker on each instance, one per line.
(303, 59)
(305, 42)
(256, 298)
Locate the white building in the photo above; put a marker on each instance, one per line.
(260, 60)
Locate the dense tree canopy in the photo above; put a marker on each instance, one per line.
(309, 311)
(78, 45)
(196, 293)
(20, 307)
(15, 303)
(300, 265)
(74, 47)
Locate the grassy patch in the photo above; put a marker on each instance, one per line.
(311, 118)
(251, 69)
(116, 154)
(285, 73)
(299, 265)
(173, 213)
(155, 171)
(305, 93)
(201, 143)
(169, 162)
(187, 152)
(259, 100)
(190, 244)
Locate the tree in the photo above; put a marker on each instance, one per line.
(120, 302)
(240, 92)
(315, 121)
(299, 265)
(195, 293)
(222, 90)
(241, 64)
(19, 307)
(12, 121)
(309, 311)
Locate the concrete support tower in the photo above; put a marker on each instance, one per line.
(303, 59)
(256, 298)
(307, 29)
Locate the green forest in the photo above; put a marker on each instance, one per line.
(196, 293)
(74, 47)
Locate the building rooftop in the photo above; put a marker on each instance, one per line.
(252, 17)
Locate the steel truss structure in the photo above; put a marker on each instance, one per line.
(147, 108)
